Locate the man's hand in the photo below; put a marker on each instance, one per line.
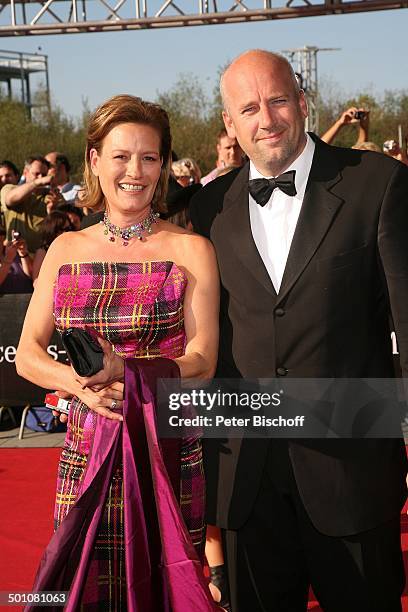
(43, 181)
(52, 199)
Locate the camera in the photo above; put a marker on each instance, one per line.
(390, 145)
(16, 235)
(360, 115)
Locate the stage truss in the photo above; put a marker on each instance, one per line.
(74, 16)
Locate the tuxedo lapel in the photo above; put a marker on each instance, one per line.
(320, 205)
(232, 231)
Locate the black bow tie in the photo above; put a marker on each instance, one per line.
(261, 189)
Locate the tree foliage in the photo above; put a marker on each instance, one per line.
(387, 112)
(47, 130)
(195, 118)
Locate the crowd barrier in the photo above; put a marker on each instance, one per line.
(14, 390)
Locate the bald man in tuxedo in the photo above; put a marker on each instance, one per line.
(311, 245)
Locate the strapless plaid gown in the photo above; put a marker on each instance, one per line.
(138, 308)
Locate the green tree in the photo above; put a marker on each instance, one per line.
(49, 129)
(193, 120)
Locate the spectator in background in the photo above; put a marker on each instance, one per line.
(229, 153)
(9, 174)
(178, 203)
(392, 148)
(351, 116)
(15, 266)
(60, 168)
(186, 171)
(25, 206)
(55, 224)
(223, 171)
(74, 213)
(367, 146)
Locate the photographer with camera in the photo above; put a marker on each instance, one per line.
(60, 168)
(25, 206)
(392, 148)
(351, 116)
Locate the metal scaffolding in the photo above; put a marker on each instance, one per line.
(304, 63)
(28, 17)
(16, 66)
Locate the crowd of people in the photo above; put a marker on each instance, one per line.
(42, 202)
(29, 200)
(309, 242)
(36, 207)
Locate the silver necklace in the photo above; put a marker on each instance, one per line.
(127, 233)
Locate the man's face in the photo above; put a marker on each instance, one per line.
(229, 152)
(57, 170)
(35, 170)
(265, 112)
(7, 176)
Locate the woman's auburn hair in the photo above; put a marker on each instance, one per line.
(125, 109)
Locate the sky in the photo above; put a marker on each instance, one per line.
(95, 66)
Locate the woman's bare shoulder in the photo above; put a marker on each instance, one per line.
(64, 249)
(172, 228)
(185, 237)
(193, 252)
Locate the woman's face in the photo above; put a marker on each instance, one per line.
(128, 167)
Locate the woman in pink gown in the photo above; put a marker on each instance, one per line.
(129, 507)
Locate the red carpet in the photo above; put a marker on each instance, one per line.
(27, 491)
(28, 477)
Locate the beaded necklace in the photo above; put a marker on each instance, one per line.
(127, 233)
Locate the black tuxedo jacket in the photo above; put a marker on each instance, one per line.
(348, 263)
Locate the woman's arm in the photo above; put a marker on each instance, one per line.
(201, 308)
(32, 359)
(37, 263)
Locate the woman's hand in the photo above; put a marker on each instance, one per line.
(105, 402)
(21, 246)
(10, 252)
(113, 370)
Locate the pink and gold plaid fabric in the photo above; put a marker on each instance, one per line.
(138, 308)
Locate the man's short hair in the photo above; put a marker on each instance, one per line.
(63, 159)
(221, 134)
(367, 145)
(9, 164)
(39, 158)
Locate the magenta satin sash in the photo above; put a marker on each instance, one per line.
(163, 572)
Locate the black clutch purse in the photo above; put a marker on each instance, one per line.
(85, 353)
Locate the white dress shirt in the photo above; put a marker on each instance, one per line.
(274, 224)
